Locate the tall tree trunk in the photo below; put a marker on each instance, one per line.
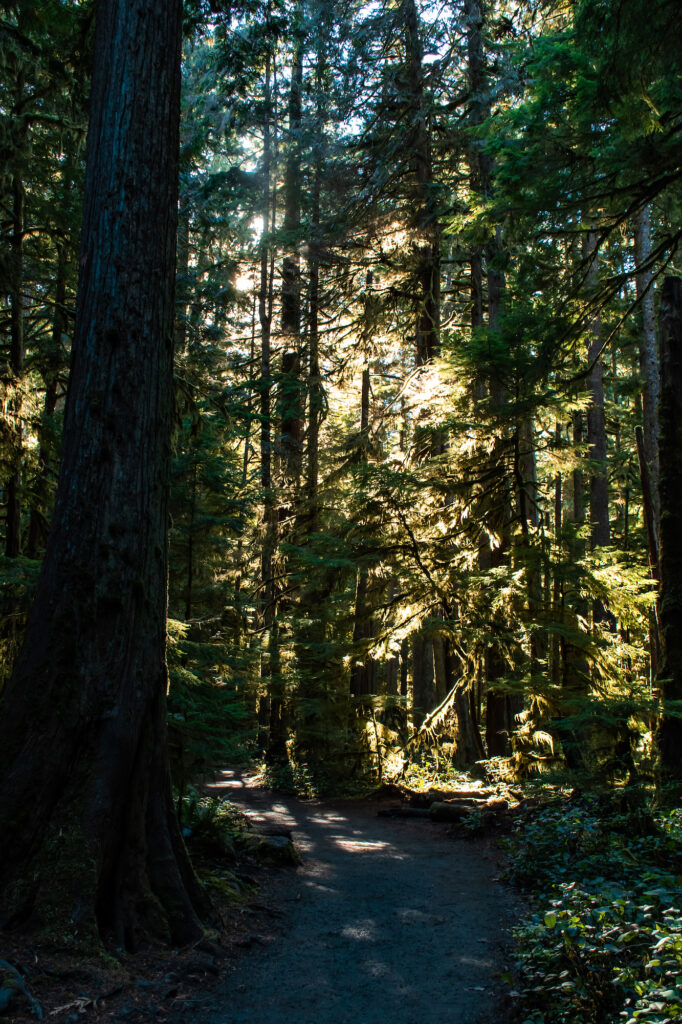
(13, 527)
(527, 483)
(648, 357)
(321, 706)
(652, 546)
(500, 707)
(190, 532)
(575, 667)
(578, 477)
(468, 743)
(315, 386)
(557, 582)
(423, 678)
(241, 560)
(362, 672)
(37, 529)
(91, 842)
(428, 652)
(669, 731)
(478, 161)
(467, 708)
(270, 668)
(427, 332)
(182, 271)
(291, 399)
(600, 528)
(316, 394)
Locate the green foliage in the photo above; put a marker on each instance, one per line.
(604, 942)
(45, 59)
(428, 519)
(434, 772)
(210, 723)
(214, 830)
(213, 823)
(314, 782)
(18, 578)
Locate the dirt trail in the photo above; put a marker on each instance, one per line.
(386, 920)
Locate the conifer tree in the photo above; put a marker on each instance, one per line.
(93, 845)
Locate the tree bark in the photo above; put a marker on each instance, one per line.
(478, 161)
(575, 666)
(320, 724)
(37, 529)
(651, 527)
(468, 744)
(13, 526)
(315, 386)
(427, 332)
(427, 652)
(648, 502)
(648, 357)
(600, 529)
(316, 393)
(423, 678)
(91, 843)
(578, 477)
(190, 532)
(362, 672)
(273, 697)
(291, 399)
(669, 731)
(499, 707)
(182, 277)
(530, 518)
(557, 582)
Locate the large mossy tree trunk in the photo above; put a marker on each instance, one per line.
(91, 844)
(669, 732)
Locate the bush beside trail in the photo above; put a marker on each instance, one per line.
(604, 944)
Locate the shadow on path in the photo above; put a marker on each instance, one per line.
(386, 921)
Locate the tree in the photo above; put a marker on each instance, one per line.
(399, 413)
(669, 733)
(42, 123)
(91, 845)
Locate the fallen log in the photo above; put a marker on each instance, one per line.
(450, 811)
(401, 811)
(439, 795)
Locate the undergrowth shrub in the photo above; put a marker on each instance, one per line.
(293, 778)
(604, 944)
(211, 823)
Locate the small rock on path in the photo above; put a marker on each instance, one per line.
(386, 920)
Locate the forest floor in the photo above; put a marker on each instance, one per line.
(384, 919)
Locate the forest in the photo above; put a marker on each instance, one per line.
(340, 434)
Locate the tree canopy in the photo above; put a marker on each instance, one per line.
(422, 296)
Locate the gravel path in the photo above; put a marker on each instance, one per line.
(386, 920)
